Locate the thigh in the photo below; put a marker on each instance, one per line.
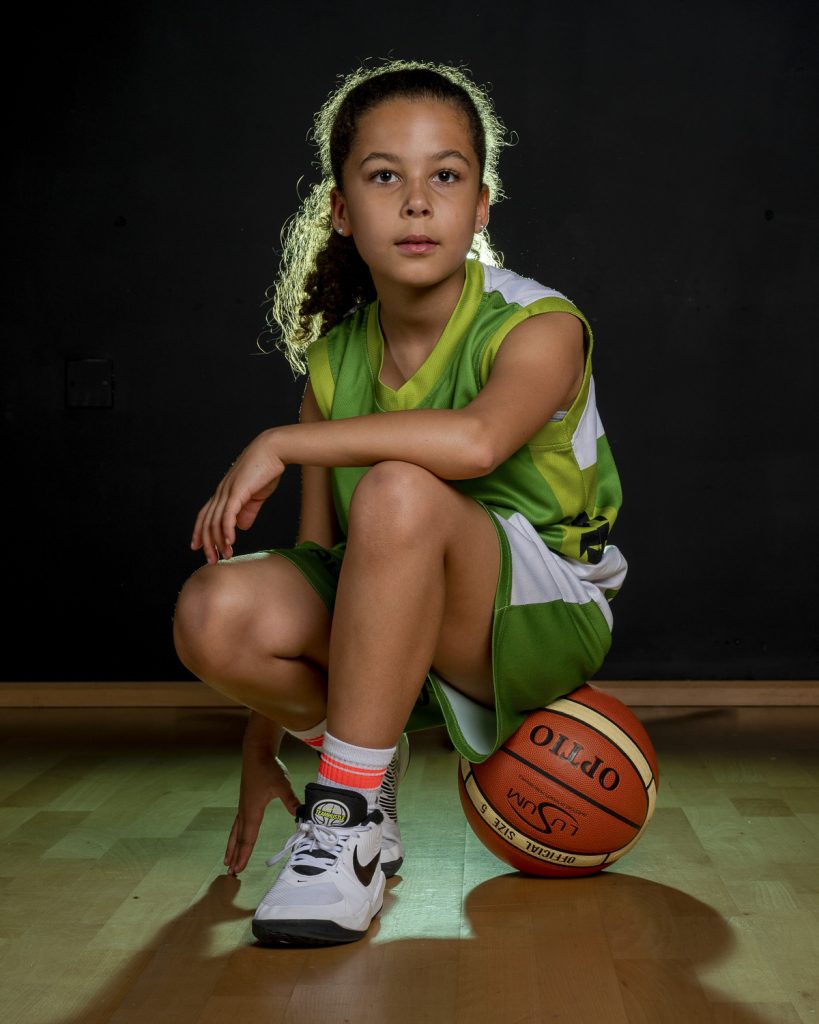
(286, 605)
(260, 603)
(463, 655)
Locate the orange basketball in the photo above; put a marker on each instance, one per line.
(570, 792)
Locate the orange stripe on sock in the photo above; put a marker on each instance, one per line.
(361, 769)
(315, 741)
(350, 775)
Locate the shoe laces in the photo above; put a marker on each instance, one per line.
(312, 848)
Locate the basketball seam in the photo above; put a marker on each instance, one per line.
(600, 732)
(610, 739)
(587, 860)
(571, 789)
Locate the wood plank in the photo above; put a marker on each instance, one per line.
(712, 917)
(111, 695)
(635, 693)
(714, 693)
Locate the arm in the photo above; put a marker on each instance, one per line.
(264, 778)
(317, 520)
(538, 369)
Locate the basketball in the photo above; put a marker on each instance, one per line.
(570, 792)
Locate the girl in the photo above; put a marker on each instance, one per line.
(457, 496)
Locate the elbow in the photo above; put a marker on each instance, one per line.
(481, 446)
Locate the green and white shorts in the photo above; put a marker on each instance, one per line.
(551, 632)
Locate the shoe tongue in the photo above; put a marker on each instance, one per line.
(334, 808)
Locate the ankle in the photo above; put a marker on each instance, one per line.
(347, 766)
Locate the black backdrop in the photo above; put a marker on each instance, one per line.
(665, 179)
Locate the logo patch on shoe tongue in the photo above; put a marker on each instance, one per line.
(330, 812)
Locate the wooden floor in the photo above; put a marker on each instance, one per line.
(116, 909)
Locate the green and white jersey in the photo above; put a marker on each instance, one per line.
(563, 481)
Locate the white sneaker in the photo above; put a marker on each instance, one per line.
(331, 887)
(392, 849)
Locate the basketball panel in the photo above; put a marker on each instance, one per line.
(511, 844)
(558, 775)
(622, 716)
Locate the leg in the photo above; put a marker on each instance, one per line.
(254, 629)
(417, 589)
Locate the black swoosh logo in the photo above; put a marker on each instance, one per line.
(365, 872)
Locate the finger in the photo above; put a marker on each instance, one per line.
(241, 857)
(248, 513)
(242, 850)
(201, 535)
(231, 843)
(290, 801)
(200, 527)
(248, 824)
(232, 509)
(211, 541)
(211, 535)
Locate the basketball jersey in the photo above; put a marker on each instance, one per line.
(563, 481)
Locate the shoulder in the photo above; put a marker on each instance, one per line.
(517, 290)
(326, 355)
(354, 325)
(533, 313)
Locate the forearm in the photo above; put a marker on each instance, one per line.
(448, 442)
(262, 735)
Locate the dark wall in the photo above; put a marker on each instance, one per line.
(665, 179)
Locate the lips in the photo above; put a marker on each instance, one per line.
(417, 244)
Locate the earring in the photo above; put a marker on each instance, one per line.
(340, 231)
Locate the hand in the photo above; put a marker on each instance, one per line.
(263, 779)
(249, 482)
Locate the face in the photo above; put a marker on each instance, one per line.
(411, 194)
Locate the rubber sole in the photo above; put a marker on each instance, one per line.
(391, 868)
(305, 932)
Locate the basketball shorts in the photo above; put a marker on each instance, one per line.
(551, 632)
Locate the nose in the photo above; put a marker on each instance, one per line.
(416, 201)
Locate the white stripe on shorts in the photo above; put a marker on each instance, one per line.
(539, 575)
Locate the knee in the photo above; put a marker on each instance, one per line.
(396, 500)
(206, 615)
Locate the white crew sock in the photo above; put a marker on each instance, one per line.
(349, 767)
(312, 737)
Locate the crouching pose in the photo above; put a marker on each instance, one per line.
(457, 497)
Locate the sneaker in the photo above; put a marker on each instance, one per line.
(331, 887)
(392, 849)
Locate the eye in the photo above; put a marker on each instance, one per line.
(383, 177)
(447, 177)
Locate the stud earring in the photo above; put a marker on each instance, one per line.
(340, 231)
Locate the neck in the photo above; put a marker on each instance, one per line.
(412, 317)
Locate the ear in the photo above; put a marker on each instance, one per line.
(482, 209)
(338, 213)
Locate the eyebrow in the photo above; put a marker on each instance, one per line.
(444, 154)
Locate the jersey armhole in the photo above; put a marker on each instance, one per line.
(321, 376)
(550, 305)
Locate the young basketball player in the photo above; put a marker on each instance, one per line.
(457, 496)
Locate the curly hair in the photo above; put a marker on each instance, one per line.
(322, 278)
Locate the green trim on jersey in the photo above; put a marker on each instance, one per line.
(564, 480)
(321, 377)
(413, 392)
